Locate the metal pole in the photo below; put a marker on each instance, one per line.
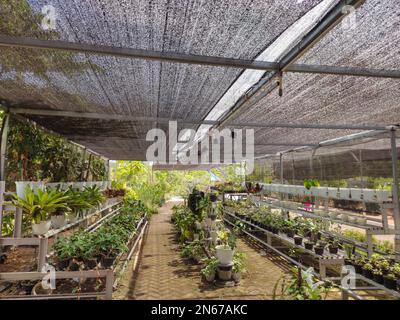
(281, 166)
(4, 137)
(395, 190)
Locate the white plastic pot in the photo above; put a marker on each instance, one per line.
(344, 193)
(369, 195)
(41, 228)
(58, 222)
(382, 195)
(237, 276)
(210, 277)
(321, 192)
(333, 193)
(224, 255)
(352, 219)
(356, 194)
(362, 221)
(214, 236)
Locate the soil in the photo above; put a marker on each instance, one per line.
(67, 286)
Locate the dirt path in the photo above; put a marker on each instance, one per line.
(163, 274)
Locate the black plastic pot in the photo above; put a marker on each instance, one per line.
(107, 262)
(308, 245)
(378, 278)
(90, 263)
(274, 230)
(63, 264)
(74, 266)
(213, 197)
(319, 250)
(358, 268)
(389, 283)
(367, 273)
(290, 233)
(298, 240)
(333, 250)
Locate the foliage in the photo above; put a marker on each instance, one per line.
(309, 183)
(109, 240)
(35, 155)
(41, 205)
(239, 262)
(301, 285)
(193, 250)
(211, 267)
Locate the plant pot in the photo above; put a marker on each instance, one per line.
(41, 228)
(378, 278)
(362, 221)
(210, 277)
(358, 268)
(63, 264)
(333, 250)
(224, 255)
(90, 263)
(225, 274)
(319, 250)
(308, 245)
(345, 218)
(367, 273)
(107, 262)
(389, 283)
(290, 233)
(58, 221)
(237, 276)
(74, 265)
(352, 219)
(298, 240)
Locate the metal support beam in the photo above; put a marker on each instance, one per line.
(104, 116)
(395, 190)
(326, 24)
(281, 167)
(3, 147)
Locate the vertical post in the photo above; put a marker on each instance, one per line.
(109, 284)
(43, 247)
(17, 223)
(281, 167)
(2, 189)
(3, 147)
(88, 168)
(395, 191)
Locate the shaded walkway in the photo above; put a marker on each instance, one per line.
(163, 274)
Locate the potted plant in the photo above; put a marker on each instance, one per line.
(298, 240)
(367, 270)
(224, 252)
(349, 250)
(238, 266)
(308, 244)
(358, 264)
(390, 281)
(40, 207)
(319, 248)
(334, 246)
(63, 250)
(210, 270)
(377, 276)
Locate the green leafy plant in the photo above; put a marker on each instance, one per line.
(211, 267)
(239, 262)
(41, 205)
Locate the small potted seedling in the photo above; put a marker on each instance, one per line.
(210, 270)
(319, 248)
(367, 270)
(298, 240)
(238, 266)
(390, 281)
(334, 246)
(308, 244)
(378, 276)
